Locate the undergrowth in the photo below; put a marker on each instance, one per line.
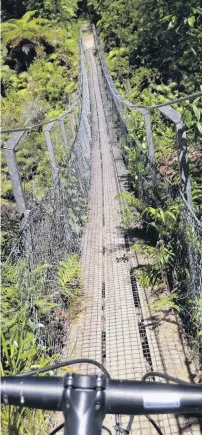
(26, 334)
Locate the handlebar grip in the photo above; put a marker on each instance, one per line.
(41, 392)
(141, 398)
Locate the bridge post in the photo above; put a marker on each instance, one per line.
(147, 121)
(76, 117)
(51, 151)
(79, 106)
(71, 124)
(183, 162)
(64, 133)
(150, 144)
(14, 173)
(176, 118)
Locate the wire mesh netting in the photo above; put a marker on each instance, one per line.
(189, 266)
(159, 190)
(54, 169)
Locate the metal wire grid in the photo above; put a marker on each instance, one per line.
(53, 229)
(108, 325)
(159, 351)
(157, 191)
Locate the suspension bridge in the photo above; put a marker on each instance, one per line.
(113, 323)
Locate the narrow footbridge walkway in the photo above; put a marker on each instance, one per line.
(114, 325)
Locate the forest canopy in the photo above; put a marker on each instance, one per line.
(158, 34)
(154, 54)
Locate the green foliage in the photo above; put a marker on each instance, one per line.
(159, 258)
(160, 35)
(39, 74)
(154, 275)
(153, 50)
(19, 346)
(43, 54)
(17, 305)
(197, 194)
(18, 355)
(61, 9)
(135, 211)
(163, 221)
(15, 300)
(198, 313)
(166, 303)
(23, 421)
(131, 210)
(69, 277)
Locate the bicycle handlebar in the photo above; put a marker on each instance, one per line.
(121, 396)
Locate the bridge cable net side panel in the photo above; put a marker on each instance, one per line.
(114, 325)
(52, 206)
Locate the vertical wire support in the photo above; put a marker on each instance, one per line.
(176, 118)
(14, 173)
(51, 152)
(183, 162)
(64, 133)
(71, 125)
(150, 144)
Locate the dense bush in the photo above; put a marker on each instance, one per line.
(154, 54)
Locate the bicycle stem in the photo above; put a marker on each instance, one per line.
(83, 404)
